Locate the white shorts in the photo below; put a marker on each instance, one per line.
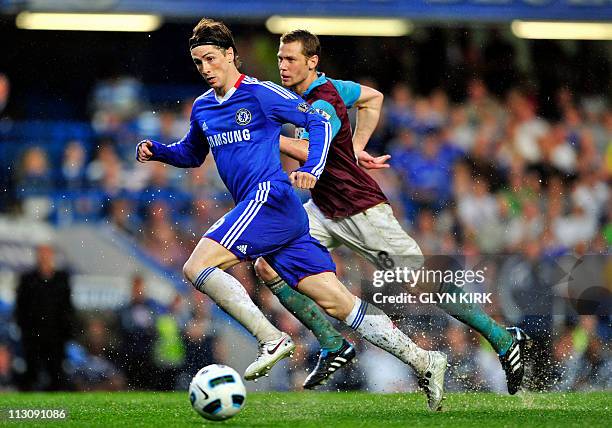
(374, 234)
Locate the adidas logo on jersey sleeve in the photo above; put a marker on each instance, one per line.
(242, 248)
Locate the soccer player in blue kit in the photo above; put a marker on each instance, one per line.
(239, 121)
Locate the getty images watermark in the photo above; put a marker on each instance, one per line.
(425, 280)
(512, 285)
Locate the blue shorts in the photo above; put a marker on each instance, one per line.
(271, 223)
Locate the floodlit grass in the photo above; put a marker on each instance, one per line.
(321, 410)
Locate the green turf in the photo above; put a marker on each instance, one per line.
(322, 410)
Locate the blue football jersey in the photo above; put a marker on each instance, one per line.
(242, 131)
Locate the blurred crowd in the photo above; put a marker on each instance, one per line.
(487, 175)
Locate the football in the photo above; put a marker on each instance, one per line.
(217, 392)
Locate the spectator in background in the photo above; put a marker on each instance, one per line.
(106, 176)
(439, 108)
(137, 330)
(115, 101)
(482, 162)
(164, 242)
(73, 171)
(123, 215)
(93, 370)
(460, 131)
(429, 239)
(160, 187)
(6, 311)
(426, 173)
(478, 207)
(558, 151)
(480, 103)
(168, 349)
(583, 362)
(170, 128)
(425, 119)
(45, 328)
(592, 194)
(34, 183)
(399, 111)
(525, 126)
(575, 228)
(105, 160)
(527, 227)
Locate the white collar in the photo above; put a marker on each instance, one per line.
(225, 97)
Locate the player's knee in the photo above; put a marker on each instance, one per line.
(338, 311)
(264, 271)
(188, 271)
(338, 308)
(191, 270)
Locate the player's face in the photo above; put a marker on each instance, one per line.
(213, 64)
(293, 65)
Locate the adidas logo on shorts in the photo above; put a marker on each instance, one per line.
(242, 248)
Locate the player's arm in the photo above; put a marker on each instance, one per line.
(320, 135)
(369, 106)
(282, 107)
(189, 152)
(298, 148)
(368, 102)
(295, 148)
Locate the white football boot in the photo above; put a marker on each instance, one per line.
(432, 380)
(270, 353)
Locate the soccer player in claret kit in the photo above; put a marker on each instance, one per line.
(349, 208)
(239, 121)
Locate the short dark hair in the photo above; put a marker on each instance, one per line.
(310, 42)
(214, 33)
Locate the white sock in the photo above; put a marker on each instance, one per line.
(378, 329)
(231, 296)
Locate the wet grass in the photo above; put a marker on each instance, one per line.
(321, 410)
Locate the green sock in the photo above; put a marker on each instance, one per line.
(473, 315)
(309, 314)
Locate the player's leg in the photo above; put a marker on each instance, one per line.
(271, 218)
(302, 307)
(387, 245)
(377, 328)
(205, 270)
(368, 320)
(377, 235)
(228, 240)
(315, 277)
(336, 351)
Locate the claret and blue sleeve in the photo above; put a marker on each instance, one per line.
(349, 92)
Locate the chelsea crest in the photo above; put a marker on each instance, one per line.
(243, 117)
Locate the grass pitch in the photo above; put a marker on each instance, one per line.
(320, 410)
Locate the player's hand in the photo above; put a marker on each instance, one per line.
(143, 152)
(302, 180)
(368, 161)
